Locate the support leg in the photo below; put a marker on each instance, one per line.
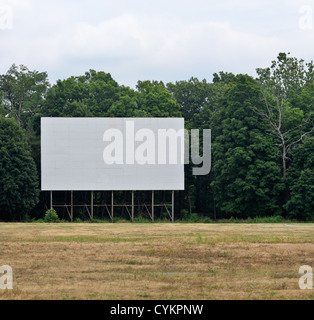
(172, 206)
(112, 206)
(92, 205)
(153, 206)
(71, 206)
(132, 206)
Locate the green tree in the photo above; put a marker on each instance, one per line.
(23, 92)
(287, 122)
(246, 175)
(126, 106)
(192, 96)
(200, 102)
(225, 77)
(83, 96)
(300, 176)
(154, 100)
(18, 175)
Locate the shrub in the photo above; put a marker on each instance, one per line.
(51, 216)
(207, 220)
(141, 219)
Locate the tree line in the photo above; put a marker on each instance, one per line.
(262, 135)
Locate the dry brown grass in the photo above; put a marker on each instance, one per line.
(156, 261)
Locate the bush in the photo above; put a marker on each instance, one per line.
(207, 220)
(51, 216)
(100, 221)
(193, 217)
(141, 219)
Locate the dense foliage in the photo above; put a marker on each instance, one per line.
(19, 181)
(262, 135)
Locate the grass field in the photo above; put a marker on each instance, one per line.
(156, 261)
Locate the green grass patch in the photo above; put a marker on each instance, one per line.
(97, 239)
(238, 238)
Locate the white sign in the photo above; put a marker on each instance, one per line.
(82, 154)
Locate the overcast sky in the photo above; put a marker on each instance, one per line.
(166, 40)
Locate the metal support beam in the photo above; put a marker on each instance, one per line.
(108, 211)
(71, 206)
(89, 214)
(172, 206)
(153, 206)
(69, 214)
(112, 205)
(92, 205)
(132, 206)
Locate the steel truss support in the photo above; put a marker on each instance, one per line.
(110, 208)
(72, 206)
(132, 218)
(172, 207)
(153, 205)
(92, 205)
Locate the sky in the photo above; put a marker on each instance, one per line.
(165, 40)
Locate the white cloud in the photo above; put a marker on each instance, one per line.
(137, 41)
(167, 45)
(118, 37)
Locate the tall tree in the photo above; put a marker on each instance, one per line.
(288, 123)
(300, 204)
(200, 102)
(18, 175)
(23, 92)
(154, 100)
(82, 96)
(246, 181)
(192, 96)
